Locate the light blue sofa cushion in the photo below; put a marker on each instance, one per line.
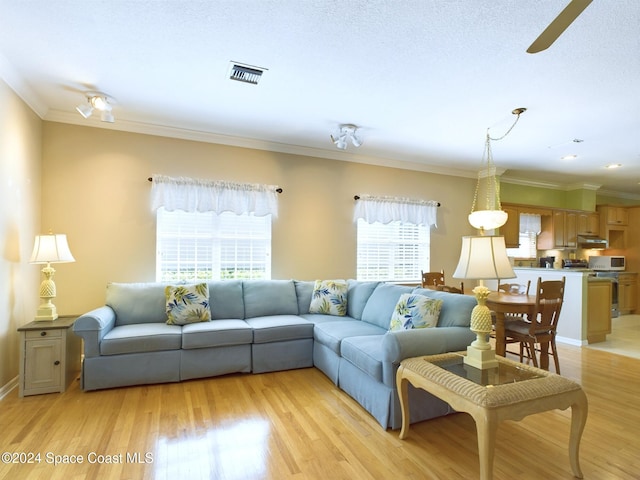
(331, 334)
(144, 337)
(226, 299)
(276, 328)
(304, 292)
(359, 293)
(269, 297)
(216, 333)
(382, 303)
(456, 308)
(324, 318)
(365, 353)
(136, 303)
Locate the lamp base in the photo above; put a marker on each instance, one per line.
(480, 359)
(46, 313)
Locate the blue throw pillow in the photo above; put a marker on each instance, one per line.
(329, 297)
(187, 304)
(415, 311)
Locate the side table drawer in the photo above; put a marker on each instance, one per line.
(50, 333)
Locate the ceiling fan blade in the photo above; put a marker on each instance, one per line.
(559, 25)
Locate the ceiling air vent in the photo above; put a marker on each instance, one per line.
(246, 73)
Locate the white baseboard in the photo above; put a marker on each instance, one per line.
(6, 389)
(571, 341)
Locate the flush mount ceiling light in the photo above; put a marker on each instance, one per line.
(571, 156)
(97, 101)
(348, 133)
(613, 165)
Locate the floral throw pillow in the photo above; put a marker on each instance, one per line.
(187, 304)
(415, 311)
(329, 297)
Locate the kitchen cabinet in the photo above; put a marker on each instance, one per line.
(49, 356)
(599, 310)
(565, 226)
(588, 223)
(627, 293)
(613, 226)
(559, 231)
(511, 230)
(617, 215)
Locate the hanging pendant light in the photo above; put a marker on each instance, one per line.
(490, 215)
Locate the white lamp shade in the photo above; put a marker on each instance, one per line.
(488, 219)
(85, 110)
(483, 258)
(52, 248)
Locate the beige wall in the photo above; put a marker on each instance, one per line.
(20, 143)
(95, 190)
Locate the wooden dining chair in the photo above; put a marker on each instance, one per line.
(450, 289)
(543, 324)
(432, 279)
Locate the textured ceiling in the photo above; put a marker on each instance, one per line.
(423, 79)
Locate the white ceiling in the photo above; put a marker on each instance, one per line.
(423, 79)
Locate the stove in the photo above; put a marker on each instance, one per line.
(574, 263)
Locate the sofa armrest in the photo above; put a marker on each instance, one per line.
(92, 326)
(419, 342)
(425, 341)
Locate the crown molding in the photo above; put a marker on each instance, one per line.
(252, 143)
(15, 81)
(583, 186)
(532, 183)
(613, 193)
(569, 187)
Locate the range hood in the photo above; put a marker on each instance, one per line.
(592, 241)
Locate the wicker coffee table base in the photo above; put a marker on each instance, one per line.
(490, 405)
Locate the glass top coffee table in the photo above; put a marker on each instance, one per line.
(510, 391)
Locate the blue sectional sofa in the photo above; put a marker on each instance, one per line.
(264, 326)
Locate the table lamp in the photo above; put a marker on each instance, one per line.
(482, 258)
(49, 249)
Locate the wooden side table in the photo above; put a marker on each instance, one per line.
(49, 356)
(511, 391)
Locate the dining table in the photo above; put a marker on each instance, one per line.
(513, 303)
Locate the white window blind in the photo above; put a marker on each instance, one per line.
(396, 251)
(206, 246)
(527, 248)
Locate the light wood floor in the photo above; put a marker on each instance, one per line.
(297, 425)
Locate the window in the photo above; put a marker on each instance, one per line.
(527, 248)
(396, 251)
(207, 246)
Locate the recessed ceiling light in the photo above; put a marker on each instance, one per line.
(613, 165)
(569, 157)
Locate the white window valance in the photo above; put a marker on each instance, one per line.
(530, 223)
(196, 195)
(392, 209)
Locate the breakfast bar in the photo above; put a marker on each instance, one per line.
(574, 316)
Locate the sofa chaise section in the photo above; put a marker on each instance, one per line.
(368, 364)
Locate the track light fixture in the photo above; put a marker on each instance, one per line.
(348, 132)
(97, 101)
